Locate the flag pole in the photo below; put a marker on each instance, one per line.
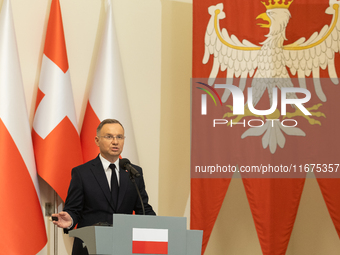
(55, 227)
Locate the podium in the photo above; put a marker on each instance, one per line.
(141, 234)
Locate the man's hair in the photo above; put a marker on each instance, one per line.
(107, 121)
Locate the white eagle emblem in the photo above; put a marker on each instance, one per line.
(270, 61)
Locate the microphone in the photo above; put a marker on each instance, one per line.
(126, 165)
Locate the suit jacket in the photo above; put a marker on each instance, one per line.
(89, 198)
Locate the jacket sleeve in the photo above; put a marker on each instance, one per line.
(75, 197)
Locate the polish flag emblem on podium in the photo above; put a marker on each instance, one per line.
(149, 241)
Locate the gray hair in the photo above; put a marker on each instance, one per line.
(107, 121)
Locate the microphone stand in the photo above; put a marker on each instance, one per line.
(132, 178)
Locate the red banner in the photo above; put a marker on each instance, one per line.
(290, 61)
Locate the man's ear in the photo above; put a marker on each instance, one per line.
(96, 139)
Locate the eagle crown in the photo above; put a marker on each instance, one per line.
(277, 5)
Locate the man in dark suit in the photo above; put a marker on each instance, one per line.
(100, 188)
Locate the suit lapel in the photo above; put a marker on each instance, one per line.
(100, 176)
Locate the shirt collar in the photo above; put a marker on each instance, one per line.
(107, 163)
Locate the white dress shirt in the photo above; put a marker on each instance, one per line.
(108, 171)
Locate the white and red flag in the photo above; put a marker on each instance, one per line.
(55, 133)
(108, 97)
(149, 241)
(22, 228)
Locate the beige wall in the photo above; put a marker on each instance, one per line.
(155, 42)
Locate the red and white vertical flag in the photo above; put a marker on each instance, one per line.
(55, 134)
(22, 228)
(108, 97)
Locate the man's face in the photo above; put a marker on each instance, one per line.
(110, 149)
